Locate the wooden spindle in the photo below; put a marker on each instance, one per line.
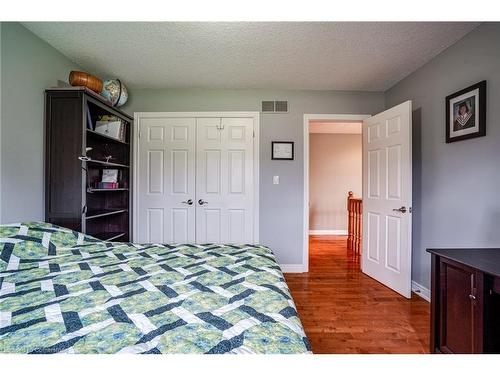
(350, 221)
(354, 223)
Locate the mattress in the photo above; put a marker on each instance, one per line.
(65, 292)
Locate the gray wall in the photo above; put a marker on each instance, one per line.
(335, 168)
(281, 206)
(456, 186)
(28, 66)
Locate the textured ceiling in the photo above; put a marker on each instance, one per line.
(269, 55)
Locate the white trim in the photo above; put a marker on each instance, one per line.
(1, 125)
(334, 117)
(293, 268)
(421, 291)
(328, 232)
(135, 138)
(307, 118)
(198, 114)
(256, 158)
(256, 175)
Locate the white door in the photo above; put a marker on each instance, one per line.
(224, 180)
(165, 188)
(387, 198)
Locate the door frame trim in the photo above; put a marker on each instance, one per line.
(307, 119)
(256, 159)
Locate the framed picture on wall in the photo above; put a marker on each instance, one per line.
(282, 150)
(466, 113)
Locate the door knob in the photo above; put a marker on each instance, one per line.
(400, 209)
(201, 202)
(189, 202)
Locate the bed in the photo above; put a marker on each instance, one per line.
(64, 292)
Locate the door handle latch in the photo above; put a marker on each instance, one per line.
(400, 209)
(189, 202)
(201, 202)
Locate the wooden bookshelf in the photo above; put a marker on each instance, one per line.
(76, 156)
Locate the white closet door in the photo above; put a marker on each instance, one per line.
(224, 180)
(166, 180)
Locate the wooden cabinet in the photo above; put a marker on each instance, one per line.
(464, 301)
(459, 310)
(75, 157)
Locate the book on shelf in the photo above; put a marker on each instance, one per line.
(109, 179)
(111, 126)
(90, 126)
(109, 175)
(107, 185)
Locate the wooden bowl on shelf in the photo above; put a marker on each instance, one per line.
(93, 83)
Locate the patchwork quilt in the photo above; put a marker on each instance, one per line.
(64, 292)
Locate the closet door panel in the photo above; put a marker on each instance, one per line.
(224, 180)
(166, 180)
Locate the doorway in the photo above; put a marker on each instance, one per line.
(334, 169)
(386, 191)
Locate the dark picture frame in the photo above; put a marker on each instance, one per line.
(274, 151)
(466, 113)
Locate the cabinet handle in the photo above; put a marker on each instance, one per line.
(472, 295)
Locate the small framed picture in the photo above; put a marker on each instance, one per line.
(109, 175)
(466, 113)
(282, 150)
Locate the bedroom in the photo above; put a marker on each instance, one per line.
(203, 160)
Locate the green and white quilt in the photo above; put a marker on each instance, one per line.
(64, 292)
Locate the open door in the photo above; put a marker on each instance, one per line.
(387, 198)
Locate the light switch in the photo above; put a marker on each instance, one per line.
(276, 180)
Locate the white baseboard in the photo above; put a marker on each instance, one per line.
(293, 268)
(421, 291)
(328, 232)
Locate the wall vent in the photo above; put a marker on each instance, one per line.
(274, 106)
(281, 106)
(267, 106)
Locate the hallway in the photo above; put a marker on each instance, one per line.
(345, 311)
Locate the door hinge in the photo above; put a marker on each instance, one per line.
(139, 134)
(253, 131)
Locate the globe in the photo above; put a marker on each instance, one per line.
(115, 91)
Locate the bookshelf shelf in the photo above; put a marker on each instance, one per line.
(106, 137)
(101, 213)
(108, 164)
(96, 190)
(109, 236)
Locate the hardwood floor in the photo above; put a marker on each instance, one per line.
(345, 311)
